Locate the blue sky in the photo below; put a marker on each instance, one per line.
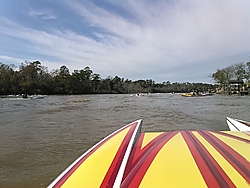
(164, 40)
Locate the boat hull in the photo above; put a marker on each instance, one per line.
(129, 158)
(104, 163)
(238, 125)
(192, 95)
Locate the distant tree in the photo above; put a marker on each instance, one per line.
(46, 81)
(7, 74)
(96, 79)
(222, 76)
(32, 77)
(29, 81)
(77, 82)
(128, 86)
(62, 80)
(117, 85)
(106, 85)
(239, 70)
(247, 74)
(137, 87)
(84, 81)
(87, 75)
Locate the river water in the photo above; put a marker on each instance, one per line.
(40, 138)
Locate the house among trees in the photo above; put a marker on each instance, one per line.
(224, 78)
(235, 86)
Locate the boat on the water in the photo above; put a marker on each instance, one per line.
(13, 96)
(238, 125)
(131, 158)
(138, 95)
(36, 96)
(25, 97)
(193, 95)
(187, 95)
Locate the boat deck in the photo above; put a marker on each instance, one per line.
(129, 158)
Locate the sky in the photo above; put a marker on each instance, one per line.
(162, 40)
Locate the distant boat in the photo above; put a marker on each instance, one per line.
(14, 96)
(193, 95)
(138, 95)
(25, 96)
(36, 96)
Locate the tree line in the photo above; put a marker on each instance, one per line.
(33, 78)
(238, 71)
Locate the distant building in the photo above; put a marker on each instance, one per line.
(236, 87)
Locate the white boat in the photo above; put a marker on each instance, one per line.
(137, 95)
(36, 96)
(238, 125)
(14, 96)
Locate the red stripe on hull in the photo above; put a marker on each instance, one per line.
(136, 172)
(232, 136)
(73, 169)
(201, 164)
(112, 172)
(134, 154)
(244, 122)
(206, 161)
(233, 157)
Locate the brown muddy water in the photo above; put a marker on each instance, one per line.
(40, 138)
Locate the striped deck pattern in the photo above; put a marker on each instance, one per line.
(189, 159)
(128, 158)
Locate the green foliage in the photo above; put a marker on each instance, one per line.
(238, 71)
(32, 78)
(7, 78)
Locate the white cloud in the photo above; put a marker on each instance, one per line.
(180, 29)
(161, 38)
(45, 14)
(10, 59)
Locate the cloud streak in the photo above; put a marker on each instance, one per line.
(45, 14)
(176, 31)
(150, 40)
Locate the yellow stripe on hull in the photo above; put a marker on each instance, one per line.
(97, 164)
(237, 179)
(167, 169)
(238, 146)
